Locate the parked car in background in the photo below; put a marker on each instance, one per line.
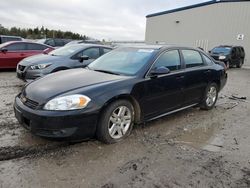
(5, 38)
(125, 86)
(54, 42)
(13, 52)
(67, 57)
(84, 42)
(230, 55)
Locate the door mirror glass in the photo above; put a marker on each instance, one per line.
(159, 71)
(83, 58)
(4, 50)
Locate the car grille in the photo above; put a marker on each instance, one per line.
(21, 67)
(29, 103)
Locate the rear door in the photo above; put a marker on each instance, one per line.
(33, 49)
(164, 93)
(197, 75)
(15, 53)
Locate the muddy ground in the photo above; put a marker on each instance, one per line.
(192, 148)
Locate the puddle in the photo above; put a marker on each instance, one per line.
(201, 138)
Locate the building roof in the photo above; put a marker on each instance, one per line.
(193, 6)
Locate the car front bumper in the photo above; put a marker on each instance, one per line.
(69, 125)
(29, 74)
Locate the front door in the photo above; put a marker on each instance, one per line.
(163, 93)
(15, 53)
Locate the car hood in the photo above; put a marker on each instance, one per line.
(58, 83)
(39, 59)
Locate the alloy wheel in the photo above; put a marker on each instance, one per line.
(211, 96)
(119, 122)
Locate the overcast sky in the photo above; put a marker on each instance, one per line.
(101, 19)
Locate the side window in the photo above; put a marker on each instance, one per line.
(106, 50)
(36, 47)
(7, 39)
(234, 52)
(93, 53)
(192, 58)
(170, 59)
(207, 60)
(59, 42)
(16, 47)
(50, 42)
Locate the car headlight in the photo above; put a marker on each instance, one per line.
(40, 66)
(222, 57)
(70, 102)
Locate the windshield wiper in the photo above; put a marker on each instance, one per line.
(106, 71)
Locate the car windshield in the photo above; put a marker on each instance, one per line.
(66, 50)
(221, 50)
(125, 61)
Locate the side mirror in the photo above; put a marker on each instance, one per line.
(46, 51)
(209, 51)
(83, 58)
(159, 71)
(4, 50)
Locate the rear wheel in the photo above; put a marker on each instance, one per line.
(116, 122)
(210, 97)
(240, 63)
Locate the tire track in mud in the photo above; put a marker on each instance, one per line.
(15, 152)
(14, 85)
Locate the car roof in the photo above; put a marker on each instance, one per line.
(157, 47)
(89, 45)
(15, 42)
(10, 36)
(227, 46)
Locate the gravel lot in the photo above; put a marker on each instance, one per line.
(192, 148)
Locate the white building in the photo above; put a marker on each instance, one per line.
(203, 25)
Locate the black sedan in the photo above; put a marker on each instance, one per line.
(126, 86)
(67, 57)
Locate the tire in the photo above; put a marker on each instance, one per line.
(227, 64)
(113, 127)
(210, 97)
(239, 64)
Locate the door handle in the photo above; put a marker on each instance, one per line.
(207, 71)
(180, 77)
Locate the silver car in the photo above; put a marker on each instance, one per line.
(68, 57)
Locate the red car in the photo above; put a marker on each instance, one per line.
(13, 52)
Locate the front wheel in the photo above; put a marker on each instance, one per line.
(210, 97)
(116, 122)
